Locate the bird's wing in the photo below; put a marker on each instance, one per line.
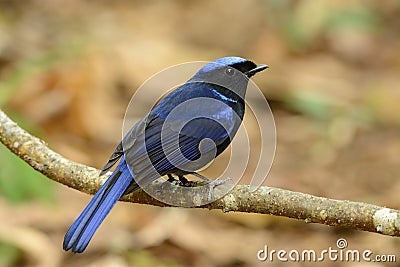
(113, 159)
(190, 148)
(128, 142)
(175, 148)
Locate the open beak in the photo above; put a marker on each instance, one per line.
(259, 68)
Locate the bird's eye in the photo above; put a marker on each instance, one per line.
(229, 71)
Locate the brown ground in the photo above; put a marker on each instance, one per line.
(69, 68)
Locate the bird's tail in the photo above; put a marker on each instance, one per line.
(82, 230)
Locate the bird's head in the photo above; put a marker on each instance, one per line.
(230, 73)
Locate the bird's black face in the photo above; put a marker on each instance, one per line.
(232, 78)
(249, 68)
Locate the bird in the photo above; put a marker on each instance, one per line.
(169, 140)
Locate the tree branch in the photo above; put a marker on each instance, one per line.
(265, 200)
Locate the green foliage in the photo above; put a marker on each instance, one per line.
(361, 19)
(9, 255)
(309, 21)
(325, 108)
(19, 182)
(312, 104)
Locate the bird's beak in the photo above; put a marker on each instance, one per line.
(259, 68)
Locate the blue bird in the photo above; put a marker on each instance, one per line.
(170, 139)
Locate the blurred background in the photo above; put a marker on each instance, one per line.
(69, 68)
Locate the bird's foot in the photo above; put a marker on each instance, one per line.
(181, 182)
(210, 183)
(183, 179)
(172, 180)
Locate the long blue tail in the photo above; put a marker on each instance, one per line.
(82, 230)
